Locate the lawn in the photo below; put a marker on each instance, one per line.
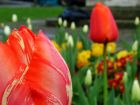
(32, 12)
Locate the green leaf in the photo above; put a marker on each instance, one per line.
(82, 99)
(86, 42)
(119, 102)
(111, 97)
(82, 73)
(94, 91)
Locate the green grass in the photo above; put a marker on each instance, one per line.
(32, 12)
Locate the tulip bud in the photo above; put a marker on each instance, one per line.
(135, 46)
(103, 27)
(137, 21)
(85, 28)
(111, 47)
(7, 30)
(60, 21)
(14, 18)
(30, 26)
(65, 23)
(136, 91)
(73, 26)
(70, 41)
(88, 78)
(28, 20)
(97, 49)
(66, 36)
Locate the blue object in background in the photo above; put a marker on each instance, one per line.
(75, 14)
(48, 2)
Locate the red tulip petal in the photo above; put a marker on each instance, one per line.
(112, 30)
(47, 80)
(46, 50)
(102, 24)
(19, 95)
(44, 77)
(22, 43)
(8, 66)
(97, 23)
(51, 61)
(17, 92)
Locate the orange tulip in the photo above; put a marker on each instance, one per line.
(103, 28)
(32, 72)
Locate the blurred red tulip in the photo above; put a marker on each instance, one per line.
(118, 77)
(102, 25)
(113, 83)
(110, 67)
(122, 88)
(32, 72)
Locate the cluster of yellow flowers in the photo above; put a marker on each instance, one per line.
(83, 58)
(98, 49)
(64, 45)
(122, 54)
(111, 47)
(79, 45)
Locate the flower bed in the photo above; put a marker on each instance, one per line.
(89, 59)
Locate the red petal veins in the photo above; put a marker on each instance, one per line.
(29, 38)
(43, 79)
(12, 85)
(16, 43)
(21, 95)
(45, 49)
(47, 80)
(8, 66)
(22, 43)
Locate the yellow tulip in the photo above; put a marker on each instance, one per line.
(122, 54)
(97, 49)
(83, 58)
(79, 45)
(111, 47)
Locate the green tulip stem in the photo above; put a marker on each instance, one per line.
(105, 77)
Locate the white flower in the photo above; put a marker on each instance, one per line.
(137, 21)
(88, 78)
(7, 30)
(28, 20)
(73, 26)
(30, 26)
(60, 21)
(70, 41)
(14, 18)
(66, 35)
(65, 23)
(135, 46)
(135, 91)
(85, 28)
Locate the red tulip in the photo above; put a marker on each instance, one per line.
(102, 25)
(32, 72)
